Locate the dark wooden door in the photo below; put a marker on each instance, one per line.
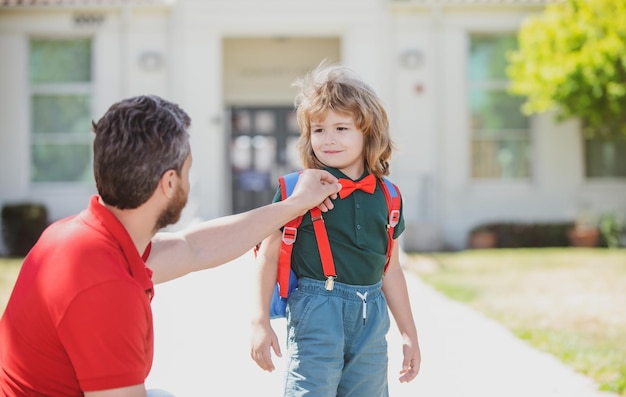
(262, 147)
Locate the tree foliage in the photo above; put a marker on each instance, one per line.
(572, 59)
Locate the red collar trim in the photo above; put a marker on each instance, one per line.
(136, 263)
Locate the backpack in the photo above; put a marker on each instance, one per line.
(286, 280)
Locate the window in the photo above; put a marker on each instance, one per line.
(60, 103)
(605, 158)
(500, 138)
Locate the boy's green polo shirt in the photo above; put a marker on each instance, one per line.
(358, 238)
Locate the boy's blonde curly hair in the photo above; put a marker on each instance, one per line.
(337, 88)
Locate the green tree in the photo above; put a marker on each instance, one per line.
(572, 59)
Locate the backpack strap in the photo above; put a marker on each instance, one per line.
(290, 231)
(392, 195)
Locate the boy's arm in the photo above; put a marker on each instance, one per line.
(221, 240)
(394, 287)
(263, 336)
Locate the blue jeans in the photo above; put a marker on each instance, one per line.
(336, 341)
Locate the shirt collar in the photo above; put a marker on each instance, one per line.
(136, 263)
(338, 174)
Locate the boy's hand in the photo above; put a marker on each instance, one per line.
(411, 362)
(264, 337)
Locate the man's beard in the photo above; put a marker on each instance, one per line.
(171, 214)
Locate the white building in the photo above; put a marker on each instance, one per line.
(465, 154)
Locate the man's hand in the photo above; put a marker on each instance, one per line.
(316, 188)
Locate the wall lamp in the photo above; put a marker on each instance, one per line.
(411, 58)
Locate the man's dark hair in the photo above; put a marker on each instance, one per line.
(137, 140)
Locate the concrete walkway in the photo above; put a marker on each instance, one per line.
(202, 346)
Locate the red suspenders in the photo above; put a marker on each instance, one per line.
(286, 279)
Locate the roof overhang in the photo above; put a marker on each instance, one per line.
(407, 5)
(82, 4)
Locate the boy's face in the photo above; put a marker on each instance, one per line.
(338, 143)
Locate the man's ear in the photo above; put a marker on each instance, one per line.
(167, 183)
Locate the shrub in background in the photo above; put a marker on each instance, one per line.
(611, 229)
(528, 235)
(22, 224)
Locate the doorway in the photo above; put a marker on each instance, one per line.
(258, 73)
(262, 148)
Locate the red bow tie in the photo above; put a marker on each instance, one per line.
(367, 184)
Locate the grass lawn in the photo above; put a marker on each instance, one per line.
(569, 302)
(9, 267)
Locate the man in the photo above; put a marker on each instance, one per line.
(79, 320)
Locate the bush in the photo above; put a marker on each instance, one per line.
(528, 235)
(611, 229)
(22, 224)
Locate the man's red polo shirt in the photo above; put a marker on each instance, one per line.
(79, 317)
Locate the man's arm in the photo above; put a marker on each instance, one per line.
(221, 240)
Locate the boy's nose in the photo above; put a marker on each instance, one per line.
(329, 138)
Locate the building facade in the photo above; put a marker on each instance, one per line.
(465, 154)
